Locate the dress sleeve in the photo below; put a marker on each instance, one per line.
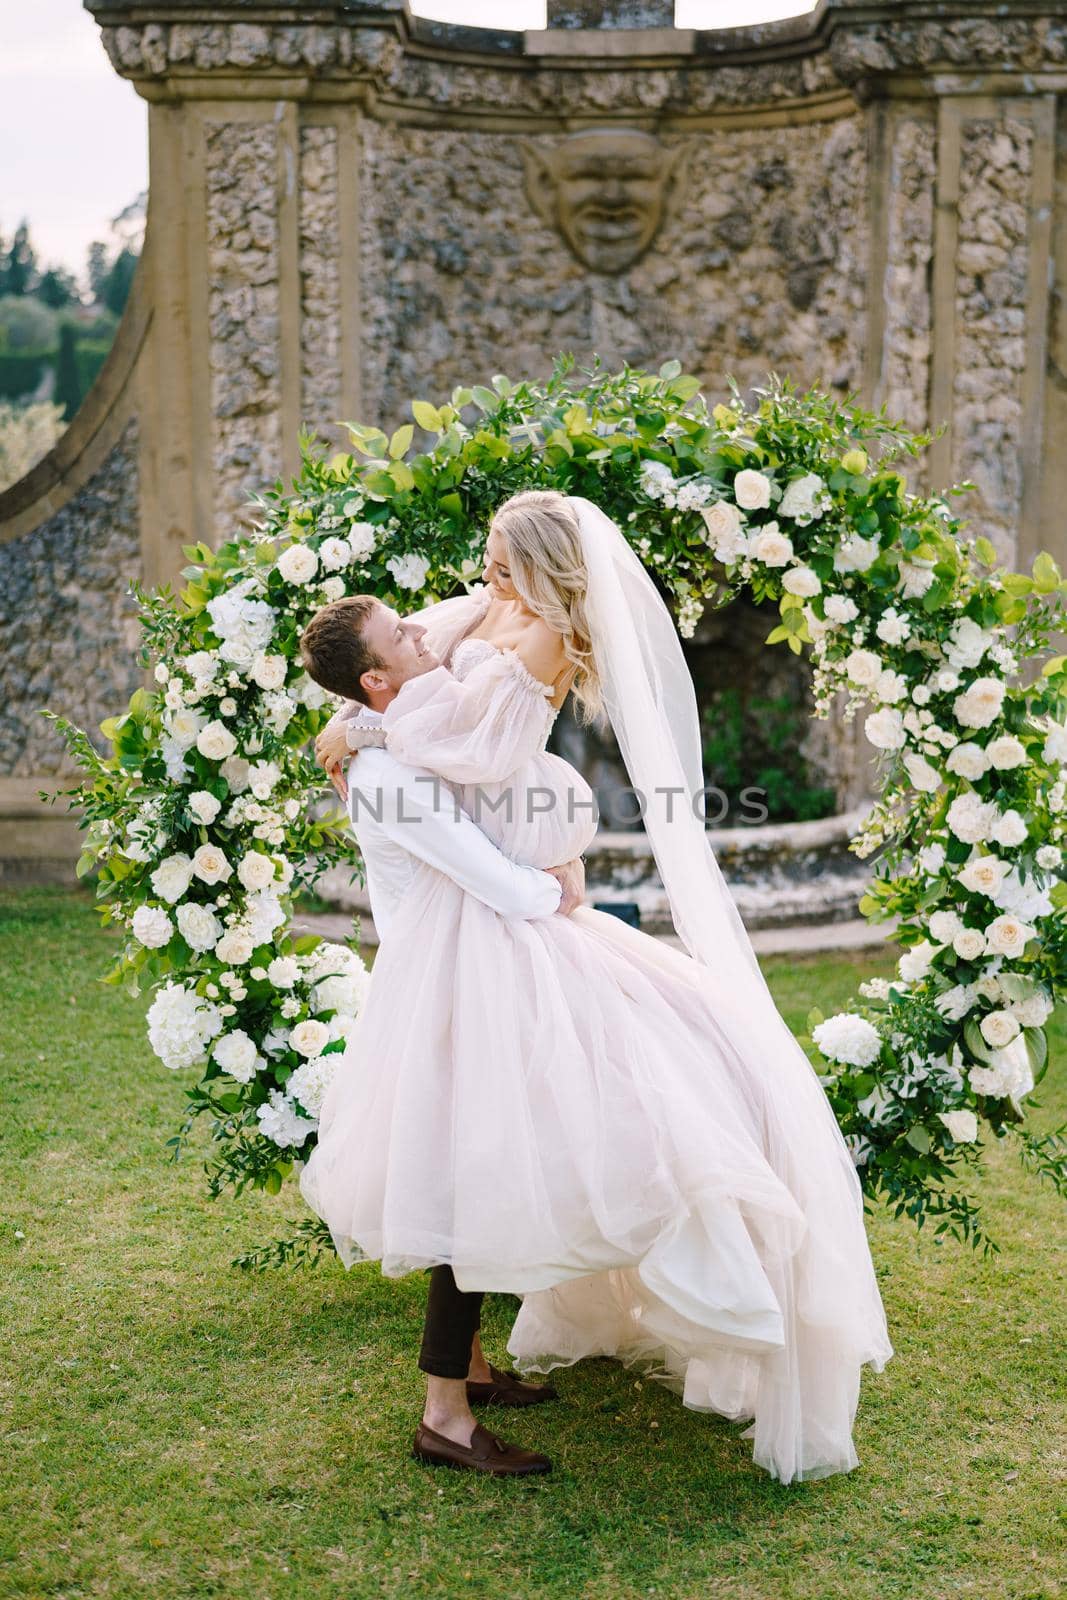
(479, 729)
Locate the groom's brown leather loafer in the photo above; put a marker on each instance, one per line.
(485, 1453)
(507, 1389)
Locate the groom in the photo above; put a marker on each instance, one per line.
(362, 650)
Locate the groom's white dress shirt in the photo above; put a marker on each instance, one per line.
(402, 815)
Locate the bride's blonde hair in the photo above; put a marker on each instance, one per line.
(540, 531)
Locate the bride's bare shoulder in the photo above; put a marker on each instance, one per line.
(540, 649)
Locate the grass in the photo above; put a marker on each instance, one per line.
(175, 1427)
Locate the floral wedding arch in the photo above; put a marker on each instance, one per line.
(200, 823)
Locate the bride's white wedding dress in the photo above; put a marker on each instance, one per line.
(556, 1108)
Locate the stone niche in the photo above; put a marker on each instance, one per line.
(350, 207)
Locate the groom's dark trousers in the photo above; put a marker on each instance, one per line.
(453, 1317)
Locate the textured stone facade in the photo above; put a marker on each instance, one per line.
(320, 277)
(67, 625)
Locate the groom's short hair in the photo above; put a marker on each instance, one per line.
(332, 647)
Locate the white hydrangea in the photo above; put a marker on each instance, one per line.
(243, 626)
(263, 915)
(181, 1025)
(343, 992)
(914, 963)
(152, 927)
(916, 577)
(848, 1038)
(309, 1083)
(805, 499)
(235, 771)
(281, 1123)
(409, 571)
(944, 926)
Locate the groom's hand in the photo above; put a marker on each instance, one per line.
(331, 749)
(572, 876)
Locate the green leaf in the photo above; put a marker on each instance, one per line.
(1046, 573)
(1037, 1050)
(402, 475)
(427, 416)
(400, 443)
(986, 551)
(918, 1136)
(670, 369)
(484, 398)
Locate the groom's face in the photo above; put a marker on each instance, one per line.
(400, 646)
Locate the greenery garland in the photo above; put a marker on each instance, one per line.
(202, 822)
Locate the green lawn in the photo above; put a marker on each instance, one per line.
(175, 1427)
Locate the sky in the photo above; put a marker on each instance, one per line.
(74, 135)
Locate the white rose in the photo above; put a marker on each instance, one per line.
(801, 580)
(310, 1038)
(199, 927)
(839, 608)
(268, 671)
(298, 564)
(924, 777)
(769, 545)
(283, 972)
(361, 540)
(216, 742)
(1008, 829)
(172, 877)
(210, 864)
(863, 667)
(969, 944)
(333, 589)
(970, 817)
(855, 554)
(1007, 936)
(409, 571)
(984, 874)
(752, 490)
(204, 807)
(236, 1054)
(885, 729)
(152, 927)
(968, 761)
(335, 554)
(1049, 857)
(255, 870)
(184, 727)
(999, 1028)
(235, 947)
(980, 704)
(725, 533)
(1006, 752)
(962, 1125)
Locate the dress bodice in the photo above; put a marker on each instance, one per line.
(470, 653)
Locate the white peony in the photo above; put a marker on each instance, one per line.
(181, 1025)
(1008, 829)
(198, 926)
(839, 608)
(885, 729)
(204, 807)
(863, 667)
(803, 581)
(172, 878)
(361, 540)
(999, 1028)
(967, 643)
(236, 1054)
(931, 858)
(309, 1038)
(1007, 1074)
(216, 742)
(184, 727)
(968, 761)
(210, 864)
(255, 870)
(152, 927)
(855, 554)
(892, 627)
(1006, 752)
(915, 962)
(235, 947)
(944, 926)
(980, 704)
(970, 817)
(752, 490)
(962, 1125)
(335, 554)
(890, 686)
(298, 564)
(409, 571)
(924, 777)
(280, 1122)
(1006, 935)
(848, 1038)
(955, 1003)
(283, 972)
(268, 672)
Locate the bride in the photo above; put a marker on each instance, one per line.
(627, 1136)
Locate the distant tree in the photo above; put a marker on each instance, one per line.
(18, 264)
(68, 385)
(58, 288)
(116, 286)
(26, 323)
(98, 268)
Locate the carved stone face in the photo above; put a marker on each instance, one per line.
(606, 190)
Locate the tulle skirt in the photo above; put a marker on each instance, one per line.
(550, 1107)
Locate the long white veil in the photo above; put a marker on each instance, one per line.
(651, 704)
